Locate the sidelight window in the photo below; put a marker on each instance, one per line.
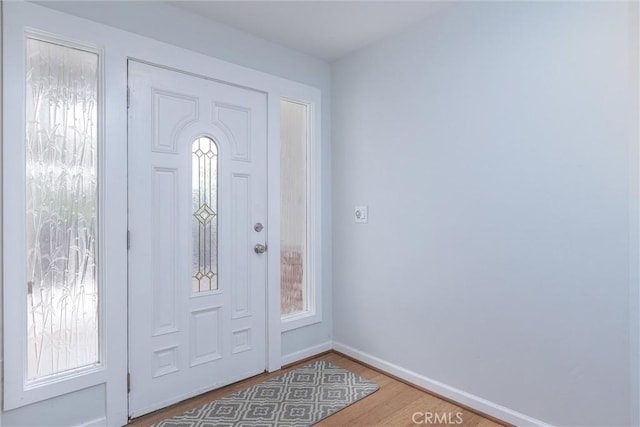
(61, 209)
(293, 181)
(300, 211)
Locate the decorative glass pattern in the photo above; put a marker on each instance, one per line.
(204, 197)
(293, 206)
(62, 203)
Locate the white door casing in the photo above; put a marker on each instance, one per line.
(183, 343)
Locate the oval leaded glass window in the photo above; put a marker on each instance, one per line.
(204, 203)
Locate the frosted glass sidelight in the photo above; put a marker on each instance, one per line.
(293, 174)
(204, 198)
(62, 204)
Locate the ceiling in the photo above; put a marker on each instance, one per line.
(325, 29)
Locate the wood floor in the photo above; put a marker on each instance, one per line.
(394, 404)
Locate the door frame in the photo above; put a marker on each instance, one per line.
(119, 46)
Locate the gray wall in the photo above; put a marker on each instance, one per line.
(180, 28)
(496, 148)
(1, 200)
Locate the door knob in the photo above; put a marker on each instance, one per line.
(260, 248)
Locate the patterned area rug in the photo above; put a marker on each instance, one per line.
(300, 397)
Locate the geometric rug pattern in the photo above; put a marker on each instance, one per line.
(297, 398)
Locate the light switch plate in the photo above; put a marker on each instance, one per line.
(361, 214)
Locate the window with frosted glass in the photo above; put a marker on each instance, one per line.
(293, 206)
(204, 198)
(62, 205)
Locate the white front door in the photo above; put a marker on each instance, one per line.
(197, 192)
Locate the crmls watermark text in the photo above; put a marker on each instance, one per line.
(454, 418)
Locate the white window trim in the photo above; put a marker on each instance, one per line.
(313, 259)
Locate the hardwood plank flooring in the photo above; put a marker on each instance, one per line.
(394, 404)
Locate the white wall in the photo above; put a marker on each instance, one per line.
(492, 145)
(178, 27)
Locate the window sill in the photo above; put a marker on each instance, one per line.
(299, 320)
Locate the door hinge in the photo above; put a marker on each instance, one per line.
(128, 382)
(128, 239)
(128, 97)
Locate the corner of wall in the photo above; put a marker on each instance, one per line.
(634, 214)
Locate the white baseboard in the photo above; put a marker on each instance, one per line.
(307, 352)
(98, 422)
(462, 397)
